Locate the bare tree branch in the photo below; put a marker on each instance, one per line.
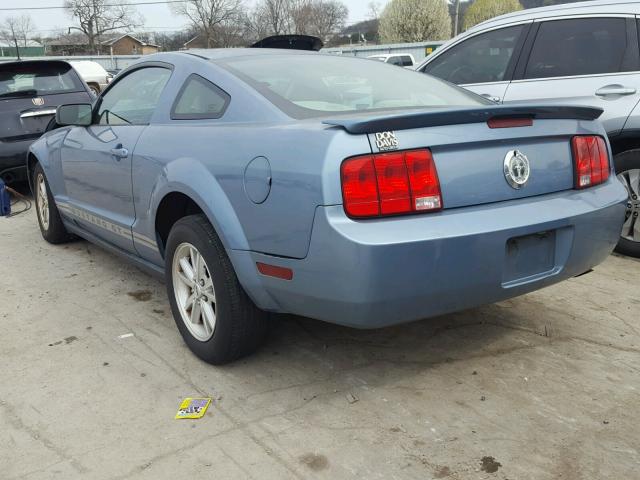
(321, 18)
(97, 17)
(211, 17)
(17, 30)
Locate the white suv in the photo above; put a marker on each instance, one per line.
(583, 53)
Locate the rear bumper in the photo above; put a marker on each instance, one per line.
(370, 274)
(13, 160)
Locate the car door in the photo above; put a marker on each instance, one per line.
(482, 63)
(96, 160)
(584, 61)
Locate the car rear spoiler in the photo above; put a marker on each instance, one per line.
(440, 117)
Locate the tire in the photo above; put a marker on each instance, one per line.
(237, 327)
(94, 88)
(628, 170)
(51, 226)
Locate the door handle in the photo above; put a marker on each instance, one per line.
(120, 152)
(490, 97)
(615, 90)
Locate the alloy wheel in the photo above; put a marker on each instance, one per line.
(194, 292)
(42, 201)
(631, 227)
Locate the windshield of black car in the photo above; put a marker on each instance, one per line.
(19, 79)
(313, 85)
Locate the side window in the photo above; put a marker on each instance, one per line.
(578, 47)
(479, 59)
(406, 61)
(199, 99)
(134, 98)
(395, 61)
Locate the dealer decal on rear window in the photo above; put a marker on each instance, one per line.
(386, 141)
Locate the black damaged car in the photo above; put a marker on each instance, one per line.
(30, 91)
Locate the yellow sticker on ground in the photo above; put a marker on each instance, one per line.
(193, 408)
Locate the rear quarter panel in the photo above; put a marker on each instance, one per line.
(206, 160)
(210, 167)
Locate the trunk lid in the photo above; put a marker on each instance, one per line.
(470, 157)
(24, 118)
(30, 91)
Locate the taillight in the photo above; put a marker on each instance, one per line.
(390, 184)
(591, 160)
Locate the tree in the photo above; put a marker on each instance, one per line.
(172, 41)
(321, 18)
(209, 17)
(325, 18)
(373, 11)
(272, 17)
(415, 21)
(482, 10)
(97, 17)
(17, 30)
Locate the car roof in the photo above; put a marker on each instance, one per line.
(224, 53)
(578, 8)
(32, 62)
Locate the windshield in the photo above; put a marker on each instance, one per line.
(313, 85)
(37, 78)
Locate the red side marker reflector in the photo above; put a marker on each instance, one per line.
(274, 271)
(509, 122)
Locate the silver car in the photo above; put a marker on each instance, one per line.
(583, 53)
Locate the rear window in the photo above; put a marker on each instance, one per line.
(313, 85)
(33, 78)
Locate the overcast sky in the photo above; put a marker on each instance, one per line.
(157, 17)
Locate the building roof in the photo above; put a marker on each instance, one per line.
(111, 41)
(108, 40)
(30, 44)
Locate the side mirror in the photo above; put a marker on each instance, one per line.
(78, 114)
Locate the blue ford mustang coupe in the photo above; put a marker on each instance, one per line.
(336, 188)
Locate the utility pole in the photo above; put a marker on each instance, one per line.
(15, 41)
(455, 25)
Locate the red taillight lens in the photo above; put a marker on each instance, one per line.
(591, 160)
(390, 184)
(425, 186)
(393, 183)
(360, 187)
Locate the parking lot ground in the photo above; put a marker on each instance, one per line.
(546, 386)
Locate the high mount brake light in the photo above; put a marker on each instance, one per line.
(591, 161)
(506, 122)
(390, 184)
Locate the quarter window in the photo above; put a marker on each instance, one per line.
(479, 59)
(134, 98)
(578, 47)
(199, 99)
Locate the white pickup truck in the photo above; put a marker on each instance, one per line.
(94, 74)
(400, 59)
